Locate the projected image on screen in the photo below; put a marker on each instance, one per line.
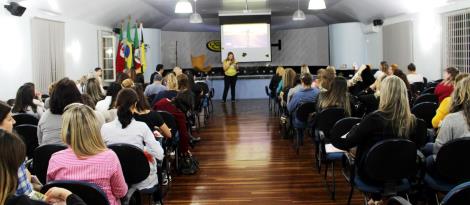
(249, 42)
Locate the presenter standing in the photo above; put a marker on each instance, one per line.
(230, 75)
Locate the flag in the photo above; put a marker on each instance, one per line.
(137, 65)
(120, 61)
(143, 59)
(128, 47)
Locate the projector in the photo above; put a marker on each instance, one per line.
(15, 9)
(245, 12)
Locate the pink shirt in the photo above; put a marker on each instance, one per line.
(102, 169)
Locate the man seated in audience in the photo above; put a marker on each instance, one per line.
(306, 94)
(412, 76)
(156, 86)
(158, 70)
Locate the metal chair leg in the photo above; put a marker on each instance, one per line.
(350, 195)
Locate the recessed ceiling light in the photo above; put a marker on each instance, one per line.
(316, 4)
(183, 7)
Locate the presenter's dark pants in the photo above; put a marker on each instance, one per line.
(229, 82)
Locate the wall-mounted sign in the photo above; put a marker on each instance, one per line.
(213, 45)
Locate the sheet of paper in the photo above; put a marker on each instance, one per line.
(329, 148)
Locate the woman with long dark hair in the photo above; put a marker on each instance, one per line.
(230, 75)
(125, 129)
(24, 102)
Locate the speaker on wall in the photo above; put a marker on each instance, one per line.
(378, 22)
(15, 9)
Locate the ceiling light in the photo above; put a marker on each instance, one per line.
(183, 7)
(316, 5)
(299, 15)
(195, 17)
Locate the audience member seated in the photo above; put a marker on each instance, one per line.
(444, 107)
(6, 123)
(185, 93)
(384, 70)
(361, 80)
(107, 105)
(172, 85)
(94, 90)
(326, 77)
(127, 83)
(25, 102)
(411, 94)
(285, 85)
(304, 69)
(12, 155)
(392, 120)
(412, 76)
(445, 88)
(158, 70)
(276, 79)
(336, 96)
(295, 89)
(50, 89)
(305, 94)
(125, 129)
(86, 99)
(152, 118)
(81, 84)
(370, 102)
(457, 123)
(173, 107)
(156, 87)
(87, 158)
(50, 124)
(177, 71)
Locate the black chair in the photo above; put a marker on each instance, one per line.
(41, 157)
(450, 173)
(170, 145)
(29, 135)
(458, 195)
(266, 89)
(135, 168)
(88, 192)
(389, 163)
(302, 114)
(211, 95)
(340, 128)
(419, 86)
(23, 118)
(44, 96)
(425, 80)
(323, 122)
(429, 90)
(425, 111)
(150, 99)
(426, 98)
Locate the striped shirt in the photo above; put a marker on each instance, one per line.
(102, 169)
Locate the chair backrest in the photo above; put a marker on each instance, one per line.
(266, 89)
(304, 110)
(419, 86)
(211, 93)
(391, 160)
(88, 192)
(429, 90)
(451, 160)
(204, 87)
(170, 121)
(326, 119)
(425, 111)
(458, 195)
(23, 118)
(426, 98)
(41, 157)
(343, 126)
(134, 164)
(29, 135)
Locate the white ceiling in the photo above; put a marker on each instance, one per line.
(160, 13)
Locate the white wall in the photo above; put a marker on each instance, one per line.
(427, 38)
(347, 45)
(81, 45)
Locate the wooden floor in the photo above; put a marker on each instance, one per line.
(243, 160)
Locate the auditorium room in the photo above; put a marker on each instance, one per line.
(233, 102)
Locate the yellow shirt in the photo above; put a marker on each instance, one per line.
(231, 70)
(441, 112)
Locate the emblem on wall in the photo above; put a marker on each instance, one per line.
(214, 46)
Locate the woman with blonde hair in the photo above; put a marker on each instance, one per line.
(337, 96)
(93, 89)
(87, 158)
(392, 120)
(287, 82)
(304, 69)
(277, 77)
